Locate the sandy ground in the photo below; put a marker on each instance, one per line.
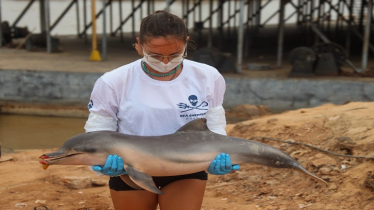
(345, 129)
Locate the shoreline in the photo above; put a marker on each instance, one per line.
(338, 128)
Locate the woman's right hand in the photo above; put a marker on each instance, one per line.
(113, 166)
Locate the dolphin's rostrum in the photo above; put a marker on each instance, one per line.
(190, 149)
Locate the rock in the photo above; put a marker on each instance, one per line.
(298, 153)
(323, 160)
(76, 182)
(346, 141)
(369, 181)
(41, 201)
(301, 206)
(6, 158)
(311, 198)
(334, 173)
(332, 186)
(325, 170)
(20, 205)
(96, 182)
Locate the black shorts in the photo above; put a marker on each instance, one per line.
(116, 183)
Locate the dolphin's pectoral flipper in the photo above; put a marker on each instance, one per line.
(129, 182)
(142, 180)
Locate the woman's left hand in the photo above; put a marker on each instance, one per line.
(222, 165)
(113, 166)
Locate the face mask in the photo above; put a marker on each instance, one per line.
(160, 66)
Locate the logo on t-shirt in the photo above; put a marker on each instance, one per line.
(193, 105)
(90, 105)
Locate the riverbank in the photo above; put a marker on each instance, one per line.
(345, 129)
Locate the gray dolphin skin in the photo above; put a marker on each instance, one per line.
(190, 149)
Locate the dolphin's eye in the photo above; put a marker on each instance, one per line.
(91, 150)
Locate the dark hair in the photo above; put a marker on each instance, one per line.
(162, 24)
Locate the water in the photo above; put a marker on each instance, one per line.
(21, 132)
(68, 25)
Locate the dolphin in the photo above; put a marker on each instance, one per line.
(190, 149)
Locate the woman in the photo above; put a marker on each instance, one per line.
(157, 95)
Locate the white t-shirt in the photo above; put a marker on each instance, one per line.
(147, 107)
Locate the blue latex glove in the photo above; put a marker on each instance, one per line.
(113, 166)
(222, 165)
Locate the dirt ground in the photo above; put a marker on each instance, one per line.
(345, 129)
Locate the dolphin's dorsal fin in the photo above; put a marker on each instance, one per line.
(195, 125)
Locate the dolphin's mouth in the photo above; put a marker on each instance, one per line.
(49, 159)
